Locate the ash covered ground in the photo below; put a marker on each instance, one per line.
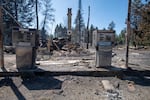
(70, 87)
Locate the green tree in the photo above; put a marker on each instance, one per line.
(120, 38)
(144, 26)
(111, 26)
(140, 22)
(135, 20)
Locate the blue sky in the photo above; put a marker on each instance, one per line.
(102, 12)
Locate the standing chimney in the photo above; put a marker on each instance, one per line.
(69, 31)
(69, 18)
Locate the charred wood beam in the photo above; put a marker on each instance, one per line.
(11, 17)
(119, 74)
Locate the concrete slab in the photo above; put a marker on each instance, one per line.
(107, 85)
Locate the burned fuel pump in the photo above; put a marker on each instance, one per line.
(104, 40)
(24, 41)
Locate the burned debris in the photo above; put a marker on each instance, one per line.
(72, 61)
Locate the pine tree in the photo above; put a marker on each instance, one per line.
(79, 25)
(144, 26)
(56, 31)
(48, 16)
(135, 20)
(16, 13)
(60, 31)
(21, 10)
(91, 33)
(121, 37)
(111, 26)
(47, 12)
(26, 12)
(140, 22)
(9, 7)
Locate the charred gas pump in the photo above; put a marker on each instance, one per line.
(25, 42)
(104, 42)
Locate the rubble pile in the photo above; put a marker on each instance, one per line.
(42, 51)
(63, 47)
(71, 50)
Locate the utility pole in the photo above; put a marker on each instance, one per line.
(1, 39)
(79, 11)
(128, 33)
(88, 28)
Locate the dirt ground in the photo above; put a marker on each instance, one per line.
(78, 87)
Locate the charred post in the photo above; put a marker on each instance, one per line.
(1, 39)
(128, 33)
